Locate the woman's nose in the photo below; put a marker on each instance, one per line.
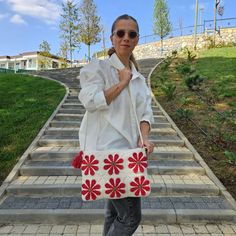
(126, 36)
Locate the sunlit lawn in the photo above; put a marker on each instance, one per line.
(219, 65)
(26, 103)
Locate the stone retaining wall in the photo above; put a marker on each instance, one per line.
(152, 50)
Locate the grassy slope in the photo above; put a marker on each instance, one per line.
(219, 89)
(26, 102)
(219, 65)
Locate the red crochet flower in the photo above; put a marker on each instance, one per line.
(91, 189)
(113, 164)
(138, 162)
(115, 187)
(89, 165)
(140, 185)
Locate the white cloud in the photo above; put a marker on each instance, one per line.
(45, 10)
(17, 19)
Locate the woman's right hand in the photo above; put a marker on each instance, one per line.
(125, 76)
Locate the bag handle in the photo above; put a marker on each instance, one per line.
(135, 114)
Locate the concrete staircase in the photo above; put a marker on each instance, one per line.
(44, 188)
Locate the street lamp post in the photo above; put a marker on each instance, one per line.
(201, 10)
(217, 2)
(195, 25)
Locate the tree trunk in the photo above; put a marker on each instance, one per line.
(89, 59)
(161, 46)
(70, 58)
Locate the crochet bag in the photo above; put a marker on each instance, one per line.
(113, 174)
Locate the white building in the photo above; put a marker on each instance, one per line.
(31, 61)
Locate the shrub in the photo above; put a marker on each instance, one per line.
(184, 69)
(163, 77)
(174, 53)
(231, 157)
(184, 100)
(193, 81)
(184, 113)
(189, 54)
(209, 42)
(168, 89)
(165, 64)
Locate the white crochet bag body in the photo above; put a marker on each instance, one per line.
(115, 174)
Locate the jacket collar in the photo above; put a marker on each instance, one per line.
(116, 62)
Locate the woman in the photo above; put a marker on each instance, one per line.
(109, 121)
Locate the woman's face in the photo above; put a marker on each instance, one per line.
(125, 37)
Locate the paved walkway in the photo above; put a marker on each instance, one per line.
(143, 230)
(41, 196)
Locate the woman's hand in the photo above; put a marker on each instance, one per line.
(147, 144)
(125, 75)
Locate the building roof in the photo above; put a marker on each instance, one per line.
(28, 54)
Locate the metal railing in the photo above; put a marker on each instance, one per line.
(207, 26)
(4, 70)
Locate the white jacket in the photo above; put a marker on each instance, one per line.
(111, 126)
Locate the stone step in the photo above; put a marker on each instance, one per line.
(74, 90)
(65, 141)
(58, 142)
(56, 123)
(69, 117)
(82, 111)
(72, 101)
(67, 210)
(75, 189)
(66, 154)
(45, 168)
(66, 124)
(72, 97)
(74, 131)
(72, 106)
(79, 117)
(71, 111)
(174, 180)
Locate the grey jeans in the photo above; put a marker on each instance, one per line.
(122, 216)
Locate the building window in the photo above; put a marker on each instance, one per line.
(31, 63)
(2, 65)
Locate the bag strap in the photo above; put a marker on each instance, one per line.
(135, 114)
(136, 118)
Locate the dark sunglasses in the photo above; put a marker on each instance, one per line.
(121, 34)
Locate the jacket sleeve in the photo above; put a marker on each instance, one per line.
(148, 114)
(92, 81)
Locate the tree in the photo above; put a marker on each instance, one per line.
(90, 24)
(44, 46)
(69, 26)
(63, 53)
(162, 25)
(44, 60)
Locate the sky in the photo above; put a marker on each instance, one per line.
(24, 24)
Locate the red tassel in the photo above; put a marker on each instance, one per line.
(77, 161)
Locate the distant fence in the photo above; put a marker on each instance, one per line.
(3, 70)
(226, 36)
(207, 26)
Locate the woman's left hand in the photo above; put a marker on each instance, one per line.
(147, 144)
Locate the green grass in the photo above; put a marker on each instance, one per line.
(26, 103)
(219, 65)
(218, 96)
